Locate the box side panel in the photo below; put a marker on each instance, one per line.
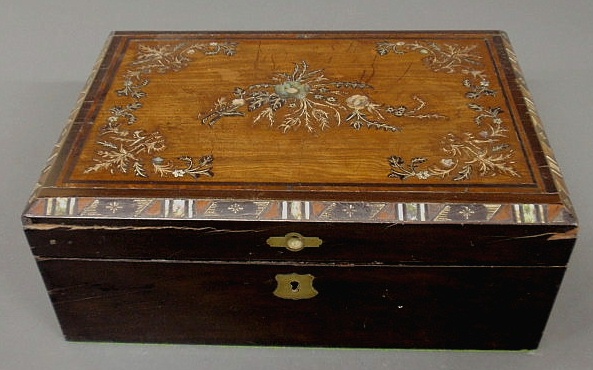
(84, 104)
(362, 306)
(539, 142)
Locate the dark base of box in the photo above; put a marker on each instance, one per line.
(358, 306)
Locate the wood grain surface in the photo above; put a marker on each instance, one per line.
(389, 115)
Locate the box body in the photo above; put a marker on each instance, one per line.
(385, 189)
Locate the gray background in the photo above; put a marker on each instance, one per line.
(47, 49)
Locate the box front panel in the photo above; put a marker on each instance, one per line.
(342, 305)
(478, 245)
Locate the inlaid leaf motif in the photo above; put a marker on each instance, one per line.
(447, 58)
(307, 98)
(485, 153)
(124, 151)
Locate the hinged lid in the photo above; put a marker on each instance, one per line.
(381, 126)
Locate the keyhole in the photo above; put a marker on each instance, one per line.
(294, 285)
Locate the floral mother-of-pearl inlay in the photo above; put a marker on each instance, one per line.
(310, 99)
(485, 152)
(123, 150)
(307, 98)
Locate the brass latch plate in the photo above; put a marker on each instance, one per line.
(294, 242)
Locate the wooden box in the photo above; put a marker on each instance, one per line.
(384, 189)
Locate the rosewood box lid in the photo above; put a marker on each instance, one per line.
(393, 127)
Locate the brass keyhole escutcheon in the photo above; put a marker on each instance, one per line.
(295, 286)
(294, 242)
